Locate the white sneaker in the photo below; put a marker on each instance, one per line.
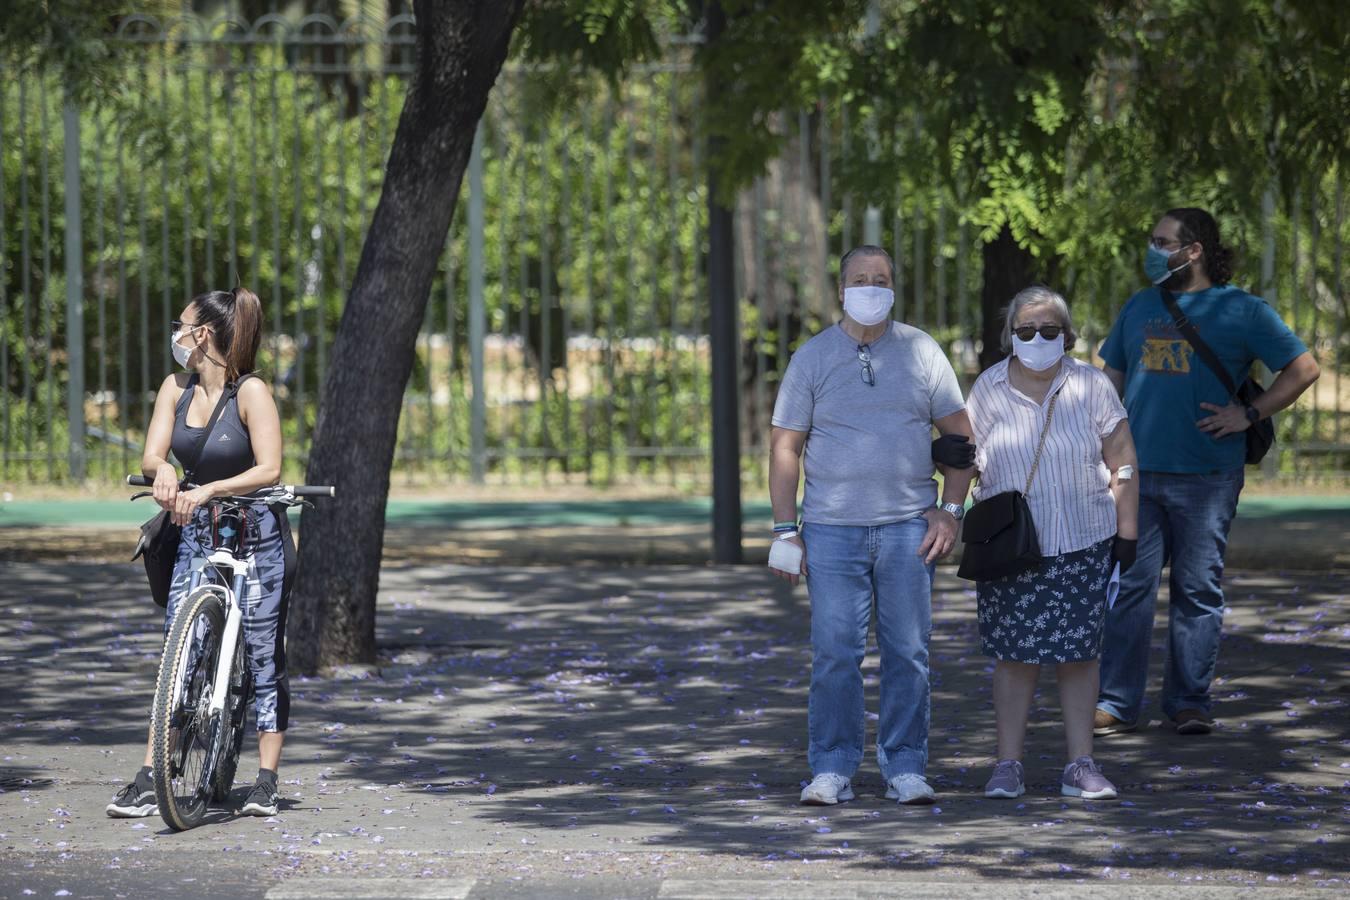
(827, 789)
(910, 788)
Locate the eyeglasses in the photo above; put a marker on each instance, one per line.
(869, 377)
(179, 325)
(1159, 243)
(1027, 332)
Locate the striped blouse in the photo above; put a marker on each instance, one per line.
(1070, 498)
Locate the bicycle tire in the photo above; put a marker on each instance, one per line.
(183, 736)
(241, 689)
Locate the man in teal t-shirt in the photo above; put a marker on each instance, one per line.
(1189, 436)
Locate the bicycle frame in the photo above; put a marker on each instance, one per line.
(223, 560)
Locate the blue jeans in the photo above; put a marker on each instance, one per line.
(1183, 519)
(848, 565)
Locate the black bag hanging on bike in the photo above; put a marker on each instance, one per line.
(999, 532)
(158, 545)
(1260, 435)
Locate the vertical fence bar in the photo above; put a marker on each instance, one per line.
(100, 290)
(70, 120)
(606, 215)
(629, 344)
(760, 289)
(940, 264)
(190, 288)
(897, 250)
(564, 295)
(1295, 289)
(5, 413)
(124, 377)
(477, 315)
(827, 212)
(1342, 323)
(588, 251)
(26, 280)
(1270, 466)
(45, 301)
(1314, 245)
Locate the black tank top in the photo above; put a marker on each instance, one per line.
(227, 452)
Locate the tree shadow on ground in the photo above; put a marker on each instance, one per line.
(664, 709)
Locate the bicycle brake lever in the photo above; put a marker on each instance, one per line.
(142, 494)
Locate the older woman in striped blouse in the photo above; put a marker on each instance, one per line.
(1084, 502)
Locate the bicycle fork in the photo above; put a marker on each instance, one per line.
(234, 616)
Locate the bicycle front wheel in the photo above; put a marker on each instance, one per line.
(183, 733)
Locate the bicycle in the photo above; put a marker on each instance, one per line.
(203, 686)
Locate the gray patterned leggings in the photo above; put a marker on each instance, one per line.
(263, 609)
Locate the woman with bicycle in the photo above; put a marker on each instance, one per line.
(221, 421)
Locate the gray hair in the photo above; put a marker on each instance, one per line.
(864, 250)
(1039, 295)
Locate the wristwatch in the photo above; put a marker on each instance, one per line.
(1253, 415)
(956, 509)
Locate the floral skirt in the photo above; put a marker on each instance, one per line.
(1053, 613)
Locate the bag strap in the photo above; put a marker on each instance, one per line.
(1187, 329)
(1045, 430)
(225, 395)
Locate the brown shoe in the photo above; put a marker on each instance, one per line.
(1193, 721)
(1103, 724)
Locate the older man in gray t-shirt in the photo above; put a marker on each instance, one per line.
(860, 401)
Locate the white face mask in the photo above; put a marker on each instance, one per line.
(868, 305)
(1038, 354)
(181, 354)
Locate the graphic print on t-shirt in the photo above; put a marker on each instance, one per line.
(1164, 350)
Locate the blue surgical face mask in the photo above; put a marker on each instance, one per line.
(1156, 264)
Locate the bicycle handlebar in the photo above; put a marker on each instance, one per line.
(295, 490)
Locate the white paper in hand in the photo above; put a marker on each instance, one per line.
(1113, 587)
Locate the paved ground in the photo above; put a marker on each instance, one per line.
(598, 731)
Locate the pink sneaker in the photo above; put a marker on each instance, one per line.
(1082, 778)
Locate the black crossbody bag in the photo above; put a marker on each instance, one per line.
(999, 532)
(1260, 435)
(158, 545)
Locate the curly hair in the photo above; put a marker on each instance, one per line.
(1198, 226)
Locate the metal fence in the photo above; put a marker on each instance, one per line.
(566, 338)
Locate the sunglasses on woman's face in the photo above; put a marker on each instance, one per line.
(1027, 332)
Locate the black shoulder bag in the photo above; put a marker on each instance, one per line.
(999, 533)
(158, 546)
(1260, 435)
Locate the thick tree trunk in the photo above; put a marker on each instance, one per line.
(1007, 269)
(460, 50)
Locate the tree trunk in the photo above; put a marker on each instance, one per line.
(1008, 268)
(460, 50)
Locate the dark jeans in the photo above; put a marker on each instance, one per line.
(1183, 519)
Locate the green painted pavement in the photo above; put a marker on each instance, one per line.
(578, 513)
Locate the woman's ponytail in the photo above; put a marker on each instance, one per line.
(235, 319)
(242, 354)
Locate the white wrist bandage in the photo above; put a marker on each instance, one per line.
(785, 556)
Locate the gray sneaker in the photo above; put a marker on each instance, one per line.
(910, 788)
(1006, 780)
(1082, 778)
(827, 789)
